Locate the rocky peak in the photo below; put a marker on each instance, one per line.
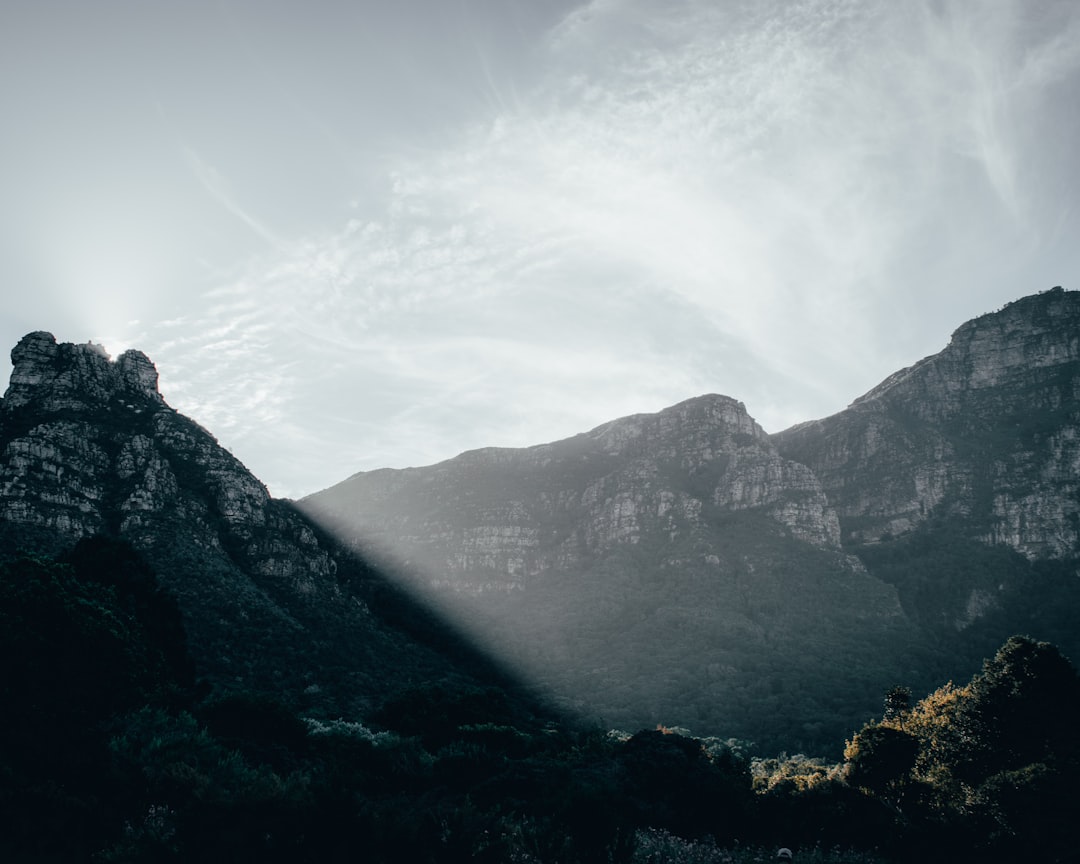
(138, 373)
(88, 447)
(1037, 332)
(987, 430)
(76, 377)
(702, 427)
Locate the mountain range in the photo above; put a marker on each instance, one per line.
(681, 568)
(686, 567)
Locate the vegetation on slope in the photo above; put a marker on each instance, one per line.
(111, 753)
(966, 596)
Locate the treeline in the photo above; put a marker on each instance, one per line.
(111, 752)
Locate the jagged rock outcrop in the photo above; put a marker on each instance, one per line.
(76, 377)
(987, 431)
(88, 446)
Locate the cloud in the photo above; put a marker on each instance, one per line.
(774, 201)
(218, 188)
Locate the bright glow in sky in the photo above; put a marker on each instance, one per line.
(356, 235)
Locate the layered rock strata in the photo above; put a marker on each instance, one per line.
(496, 518)
(987, 431)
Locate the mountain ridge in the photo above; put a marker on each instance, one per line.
(1056, 310)
(706, 427)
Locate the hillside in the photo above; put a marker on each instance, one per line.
(668, 568)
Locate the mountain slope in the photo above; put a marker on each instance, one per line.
(89, 447)
(668, 567)
(957, 480)
(685, 567)
(497, 518)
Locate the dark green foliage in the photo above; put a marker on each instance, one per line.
(968, 597)
(675, 785)
(881, 759)
(437, 713)
(109, 756)
(263, 729)
(116, 565)
(80, 644)
(830, 814)
(1021, 710)
(66, 648)
(989, 766)
(897, 701)
(936, 568)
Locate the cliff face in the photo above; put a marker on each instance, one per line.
(499, 518)
(986, 432)
(88, 446)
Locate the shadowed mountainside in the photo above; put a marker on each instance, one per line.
(270, 603)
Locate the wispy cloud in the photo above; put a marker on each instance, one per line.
(762, 203)
(218, 188)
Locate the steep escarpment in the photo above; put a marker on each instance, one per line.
(986, 432)
(89, 447)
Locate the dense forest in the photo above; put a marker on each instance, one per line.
(114, 751)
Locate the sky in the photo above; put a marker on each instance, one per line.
(355, 235)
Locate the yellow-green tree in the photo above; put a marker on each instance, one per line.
(990, 764)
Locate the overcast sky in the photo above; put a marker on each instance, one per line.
(364, 234)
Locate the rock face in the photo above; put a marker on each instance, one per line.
(76, 377)
(987, 431)
(497, 518)
(88, 446)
